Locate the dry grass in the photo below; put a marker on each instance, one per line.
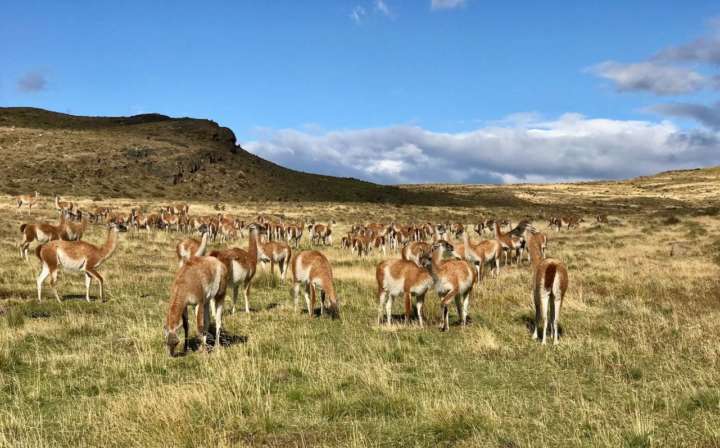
(637, 364)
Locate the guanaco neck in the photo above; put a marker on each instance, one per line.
(535, 257)
(110, 245)
(203, 245)
(253, 246)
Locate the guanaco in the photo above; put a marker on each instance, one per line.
(200, 281)
(40, 232)
(479, 254)
(63, 206)
(275, 252)
(191, 248)
(513, 240)
(71, 231)
(26, 199)
(294, 233)
(413, 251)
(550, 283)
(401, 277)
(78, 256)
(453, 279)
(241, 265)
(312, 269)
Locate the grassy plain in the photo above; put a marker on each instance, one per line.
(637, 364)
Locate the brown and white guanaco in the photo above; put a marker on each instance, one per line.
(273, 252)
(453, 279)
(191, 248)
(40, 232)
(550, 283)
(312, 270)
(241, 265)
(79, 256)
(401, 277)
(26, 199)
(199, 282)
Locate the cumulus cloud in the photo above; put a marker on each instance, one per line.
(655, 77)
(672, 71)
(446, 4)
(708, 116)
(32, 82)
(570, 147)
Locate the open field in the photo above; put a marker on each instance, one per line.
(637, 364)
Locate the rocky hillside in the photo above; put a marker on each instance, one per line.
(157, 156)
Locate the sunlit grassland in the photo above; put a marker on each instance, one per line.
(637, 364)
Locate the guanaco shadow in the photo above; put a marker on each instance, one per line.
(80, 297)
(226, 340)
(529, 322)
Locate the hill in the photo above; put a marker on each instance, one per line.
(153, 155)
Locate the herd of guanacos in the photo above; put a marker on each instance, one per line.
(428, 261)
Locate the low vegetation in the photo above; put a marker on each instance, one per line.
(636, 366)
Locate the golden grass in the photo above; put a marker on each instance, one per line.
(637, 364)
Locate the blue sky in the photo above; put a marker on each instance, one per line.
(389, 90)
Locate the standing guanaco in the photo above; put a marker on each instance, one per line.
(454, 279)
(550, 283)
(40, 232)
(77, 256)
(312, 269)
(191, 247)
(396, 277)
(241, 265)
(414, 250)
(275, 252)
(26, 199)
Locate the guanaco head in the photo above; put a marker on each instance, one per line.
(117, 227)
(171, 340)
(442, 246)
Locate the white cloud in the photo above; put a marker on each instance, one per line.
(357, 14)
(571, 147)
(655, 77)
(382, 7)
(446, 4)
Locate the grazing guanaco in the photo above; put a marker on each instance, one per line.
(550, 283)
(312, 269)
(571, 221)
(190, 247)
(241, 265)
(275, 252)
(453, 279)
(199, 282)
(401, 277)
(602, 219)
(40, 232)
(77, 256)
(26, 199)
